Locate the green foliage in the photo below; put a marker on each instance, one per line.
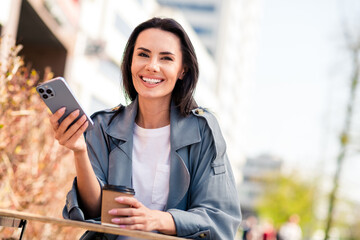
(346, 220)
(354, 230)
(287, 195)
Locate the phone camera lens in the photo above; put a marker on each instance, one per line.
(48, 91)
(45, 96)
(41, 90)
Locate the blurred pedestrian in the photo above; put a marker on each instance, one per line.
(162, 144)
(269, 232)
(291, 229)
(251, 229)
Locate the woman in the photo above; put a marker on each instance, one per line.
(162, 145)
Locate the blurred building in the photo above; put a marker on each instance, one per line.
(204, 16)
(255, 173)
(104, 27)
(45, 28)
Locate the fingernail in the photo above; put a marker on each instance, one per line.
(119, 199)
(112, 211)
(62, 109)
(115, 220)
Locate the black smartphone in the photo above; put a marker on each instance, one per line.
(56, 93)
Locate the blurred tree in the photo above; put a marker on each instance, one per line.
(346, 219)
(354, 228)
(344, 140)
(287, 195)
(352, 42)
(35, 171)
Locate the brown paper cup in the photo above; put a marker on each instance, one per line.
(109, 193)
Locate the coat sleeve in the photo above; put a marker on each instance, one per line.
(213, 205)
(97, 151)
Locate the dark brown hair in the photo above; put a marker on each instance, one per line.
(183, 92)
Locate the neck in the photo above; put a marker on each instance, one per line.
(153, 113)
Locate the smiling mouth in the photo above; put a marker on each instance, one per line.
(152, 80)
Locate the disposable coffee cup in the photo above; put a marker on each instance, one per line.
(109, 193)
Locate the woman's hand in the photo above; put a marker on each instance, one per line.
(71, 138)
(139, 217)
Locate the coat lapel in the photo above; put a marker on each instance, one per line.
(121, 132)
(184, 131)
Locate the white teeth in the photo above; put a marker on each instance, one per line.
(150, 80)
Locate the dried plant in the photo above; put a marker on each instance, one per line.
(35, 171)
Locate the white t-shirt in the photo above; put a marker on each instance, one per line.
(151, 166)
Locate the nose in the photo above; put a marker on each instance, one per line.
(152, 65)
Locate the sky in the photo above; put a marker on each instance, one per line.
(300, 87)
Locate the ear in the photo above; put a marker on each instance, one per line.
(182, 74)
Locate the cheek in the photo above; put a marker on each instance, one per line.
(132, 67)
(136, 67)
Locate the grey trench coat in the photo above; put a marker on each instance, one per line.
(203, 199)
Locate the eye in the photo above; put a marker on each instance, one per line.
(143, 55)
(167, 58)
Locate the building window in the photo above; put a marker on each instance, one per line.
(122, 26)
(202, 30)
(96, 104)
(110, 69)
(189, 6)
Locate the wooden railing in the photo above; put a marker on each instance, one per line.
(17, 218)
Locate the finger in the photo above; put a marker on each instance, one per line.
(133, 227)
(56, 116)
(124, 212)
(78, 133)
(75, 127)
(74, 132)
(129, 201)
(136, 227)
(68, 120)
(127, 220)
(61, 135)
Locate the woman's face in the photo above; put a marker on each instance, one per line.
(156, 64)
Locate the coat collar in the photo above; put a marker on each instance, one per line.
(123, 124)
(184, 131)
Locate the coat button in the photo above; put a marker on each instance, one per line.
(199, 111)
(115, 108)
(202, 235)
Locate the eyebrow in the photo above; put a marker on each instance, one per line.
(161, 53)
